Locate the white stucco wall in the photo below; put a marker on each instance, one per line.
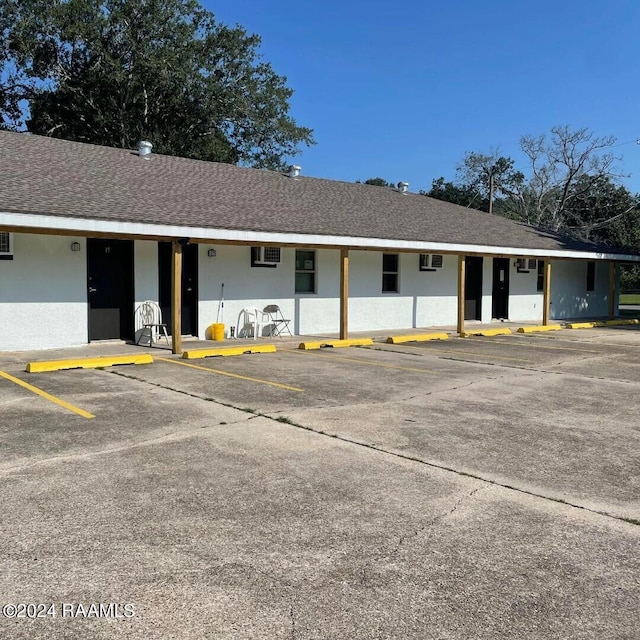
(43, 291)
(525, 301)
(487, 289)
(43, 294)
(569, 295)
(425, 298)
(243, 285)
(320, 313)
(145, 266)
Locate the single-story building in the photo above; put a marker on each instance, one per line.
(87, 233)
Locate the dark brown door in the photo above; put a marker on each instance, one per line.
(189, 286)
(110, 289)
(500, 297)
(473, 288)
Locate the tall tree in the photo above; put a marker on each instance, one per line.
(489, 174)
(564, 172)
(116, 71)
(604, 211)
(563, 167)
(467, 195)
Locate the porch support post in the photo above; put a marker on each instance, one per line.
(461, 277)
(612, 290)
(546, 293)
(176, 297)
(344, 294)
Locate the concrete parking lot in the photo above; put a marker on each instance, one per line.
(476, 488)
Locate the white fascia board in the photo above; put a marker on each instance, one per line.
(89, 226)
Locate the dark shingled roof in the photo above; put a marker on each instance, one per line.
(48, 176)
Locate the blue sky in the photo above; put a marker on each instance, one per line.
(403, 90)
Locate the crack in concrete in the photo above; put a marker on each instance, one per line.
(511, 366)
(167, 437)
(404, 456)
(292, 616)
(535, 370)
(402, 539)
(342, 438)
(288, 585)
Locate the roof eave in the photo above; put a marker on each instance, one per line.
(60, 225)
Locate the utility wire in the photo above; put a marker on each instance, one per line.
(621, 144)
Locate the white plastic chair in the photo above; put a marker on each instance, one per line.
(280, 323)
(148, 320)
(252, 321)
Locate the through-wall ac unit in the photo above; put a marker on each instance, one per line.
(430, 262)
(266, 255)
(6, 245)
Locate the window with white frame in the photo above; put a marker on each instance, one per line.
(390, 272)
(6, 245)
(305, 271)
(429, 262)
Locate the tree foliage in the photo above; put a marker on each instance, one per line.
(114, 72)
(562, 168)
(467, 195)
(378, 182)
(570, 183)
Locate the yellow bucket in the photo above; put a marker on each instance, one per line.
(216, 331)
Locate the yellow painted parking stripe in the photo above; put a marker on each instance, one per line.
(477, 355)
(522, 338)
(47, 396)
(231, 375)
(357, 360)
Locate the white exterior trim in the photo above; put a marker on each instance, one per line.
(88, 226)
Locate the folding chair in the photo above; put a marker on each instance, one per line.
(280, 323)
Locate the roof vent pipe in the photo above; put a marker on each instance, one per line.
(294, 171)
(144, 149)
(403, 187)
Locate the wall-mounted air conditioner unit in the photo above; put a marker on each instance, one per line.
(429, 262)
(265, 256)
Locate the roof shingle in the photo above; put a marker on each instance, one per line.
(48, 176)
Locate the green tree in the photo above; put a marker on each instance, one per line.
(490, 175)
(563, 173)
(378, 182)
(603, 211)
(114, 72)
(463, 194)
